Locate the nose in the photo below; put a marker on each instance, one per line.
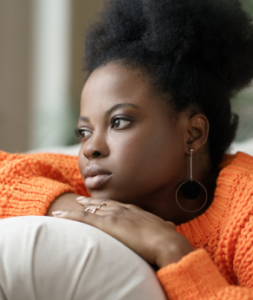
(96, 146)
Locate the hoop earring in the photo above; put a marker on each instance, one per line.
(191, 189)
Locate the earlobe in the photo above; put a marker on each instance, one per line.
(198, 130)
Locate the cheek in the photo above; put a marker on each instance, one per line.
(82, 162)
(146, 158)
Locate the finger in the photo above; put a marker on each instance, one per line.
(172, 225)
(105, 223)
(88, 201)
(94, 208)
(83, 200)
(102, 213)
(79, 216)
(83, 215)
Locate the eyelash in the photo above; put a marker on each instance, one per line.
(114, 119)
(78, 132)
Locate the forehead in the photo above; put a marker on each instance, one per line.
(112, 84)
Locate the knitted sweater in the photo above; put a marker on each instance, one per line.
(221, 267)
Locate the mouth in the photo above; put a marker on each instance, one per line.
(95, 176)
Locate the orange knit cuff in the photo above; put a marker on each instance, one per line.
(194, 277)
(32, 197)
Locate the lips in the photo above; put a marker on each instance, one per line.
(95, 176)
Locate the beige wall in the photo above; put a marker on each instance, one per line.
(83, 13)
(16, 65)
(15, 51)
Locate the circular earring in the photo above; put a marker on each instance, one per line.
(191, 189)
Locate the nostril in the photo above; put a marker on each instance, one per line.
(96, 154)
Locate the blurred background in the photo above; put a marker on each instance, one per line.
(41, 78)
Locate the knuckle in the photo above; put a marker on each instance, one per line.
(132, 206)
(121, 209)
(82, 214)
(89, 200)
(111, 218)
(105, 201)
(86, 201)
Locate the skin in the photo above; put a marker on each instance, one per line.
(129, 131)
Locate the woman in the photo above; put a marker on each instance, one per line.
(155, 123)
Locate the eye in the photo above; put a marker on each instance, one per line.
(83, 133)
(119, 123)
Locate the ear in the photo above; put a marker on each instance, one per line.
(198, 130)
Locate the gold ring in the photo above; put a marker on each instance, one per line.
(102, 204)
(92, 209)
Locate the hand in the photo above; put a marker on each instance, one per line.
(65, 201)
(154, 239)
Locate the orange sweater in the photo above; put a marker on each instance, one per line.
(221, 267)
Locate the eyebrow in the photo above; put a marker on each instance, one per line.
(85, 119)
(112, 109)
(119, 105)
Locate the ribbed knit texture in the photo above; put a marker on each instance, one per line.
(221, 267)
(30, 182)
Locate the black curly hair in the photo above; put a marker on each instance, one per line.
(196, 53)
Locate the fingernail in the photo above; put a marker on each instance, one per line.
(82, 199)
(58, 213)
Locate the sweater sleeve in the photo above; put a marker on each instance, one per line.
(225, 269)
(30, 182)
(196, 277)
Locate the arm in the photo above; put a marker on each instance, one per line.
(197, 272)
(65, 201)
(184, 273)
(197, 276)
(30, 183)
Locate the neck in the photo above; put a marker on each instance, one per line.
(163, 202)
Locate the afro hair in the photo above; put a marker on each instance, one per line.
(197, 53)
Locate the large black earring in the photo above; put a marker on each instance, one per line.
(191, 189)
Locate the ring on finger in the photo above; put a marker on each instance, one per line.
(92, 209)
(102, 204)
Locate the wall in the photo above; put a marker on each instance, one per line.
(15, 68)
(83, 13)
(25, 89)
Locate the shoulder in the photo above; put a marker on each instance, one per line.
(39, 163)
(240, 159)
(238, 167)
(235, 181)
(29, 157)
(235, 185)
(243, 161)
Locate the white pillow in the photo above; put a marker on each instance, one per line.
(47, 258)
